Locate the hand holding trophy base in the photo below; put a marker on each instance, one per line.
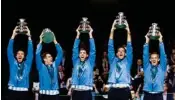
(48, 36)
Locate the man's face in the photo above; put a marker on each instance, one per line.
(154, 59)
(105, 54)
(139, 62)
(83, 55)
(20, 56)
(121, 53)
(48, 59)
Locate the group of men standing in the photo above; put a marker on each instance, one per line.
(119, 80)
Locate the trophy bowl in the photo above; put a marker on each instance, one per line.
(84, 31)
(120, 21)
(84, 25)
(21, 28)
(48, 35)
(120, 26)
(153, 33)
(153, 37)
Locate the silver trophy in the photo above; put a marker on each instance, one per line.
(153, 32)
(22, 26)
(120, 20)
(84, 25)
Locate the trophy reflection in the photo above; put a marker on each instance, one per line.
(48, 35)
(153, 32)
(84, 25)
(22, 26)
(120, 21)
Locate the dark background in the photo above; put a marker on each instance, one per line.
(63, 16)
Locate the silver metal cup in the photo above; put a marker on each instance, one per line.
(120, 20)
(84, 25)
(153, 32)
(21, 28)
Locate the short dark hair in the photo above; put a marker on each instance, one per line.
(20, 50)
(44, 54)
(121, 47)
(83, 49)
(82, 46)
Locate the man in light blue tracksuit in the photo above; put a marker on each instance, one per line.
(120, 65)
(154, 72)
(48, 71)
(20, 67)
(83, 64)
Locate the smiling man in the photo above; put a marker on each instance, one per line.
(154, 67)
(83, 65)
(20, 66)
(47, 67)
(120, 66)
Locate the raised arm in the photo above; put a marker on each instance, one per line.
(75, 50)
(29, 57)
(129, 49)
(128, 32)
(163, 56)
(92, 53)
(111, 51)
(38, 54)
(59, 53)
(146, 53)
(10, 54)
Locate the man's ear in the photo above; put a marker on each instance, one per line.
(44, 59)
(158, 59)
(87, 55)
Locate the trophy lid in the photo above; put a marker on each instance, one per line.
(22, 21)
(84, 18)
(154, 26)
(120, 13)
